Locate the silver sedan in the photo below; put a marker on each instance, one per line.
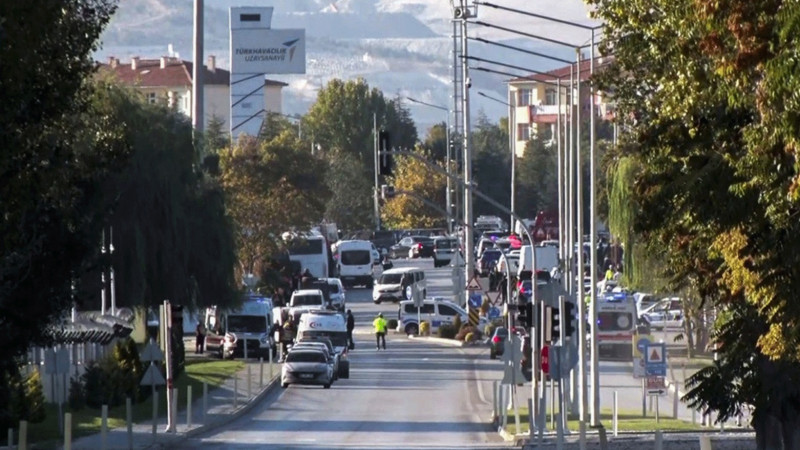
(307, 366)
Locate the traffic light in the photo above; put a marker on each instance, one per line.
(525, 316)
(569, 318)
(387, 192)
(386, 161)
(555, 324)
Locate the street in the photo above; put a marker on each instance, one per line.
(414, 394)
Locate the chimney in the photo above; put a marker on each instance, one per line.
(113, 62)
(212, 63)
(134, 62)
(163, 62)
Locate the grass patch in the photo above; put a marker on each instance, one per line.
(628, 421)
(87, 420)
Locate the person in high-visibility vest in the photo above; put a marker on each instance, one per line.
(380, 331)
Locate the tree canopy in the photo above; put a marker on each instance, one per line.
(707, 91)
(421, 182)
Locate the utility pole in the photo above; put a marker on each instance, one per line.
(469, 257)
(197, 69)
(377, 188)
(595, 362)
(583, 392)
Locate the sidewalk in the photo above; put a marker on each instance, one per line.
(221, 411)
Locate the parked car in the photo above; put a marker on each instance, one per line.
(402, 248)
(436, 311)
(497, 344)
(443, 250)
(422, 249)
(327, 348)
(307, 366)
(667, 313)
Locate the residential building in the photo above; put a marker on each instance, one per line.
(535, 100)
(168, 81)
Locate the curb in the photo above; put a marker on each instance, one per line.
(450, 342)
(228, 418)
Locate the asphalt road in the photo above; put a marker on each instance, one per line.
(416, 394)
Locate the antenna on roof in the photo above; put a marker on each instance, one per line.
(170, 50)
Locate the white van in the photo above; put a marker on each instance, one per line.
(546, 258)
(436, 311)
(242, 332)
(355, 262)
(395, 284)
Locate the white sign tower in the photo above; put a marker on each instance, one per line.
(257, 50)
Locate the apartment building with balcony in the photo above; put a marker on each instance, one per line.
(168, 81)
(535, 101)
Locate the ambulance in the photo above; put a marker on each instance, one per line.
(616, 323)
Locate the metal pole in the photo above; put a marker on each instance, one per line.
(593, 247)
(197, 68)
(560, 171)
(377, 188)
(583, 392)
(469, 258)
(448, 197)
(168, 360)
(570, 214)
(511, 145)
(111, 263)
(103, 274)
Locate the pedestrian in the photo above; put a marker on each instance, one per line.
(278, 298)
(306, 279)
(287, 336)
(351, 324)
(200, 338)
(380, 331)
(610, 273)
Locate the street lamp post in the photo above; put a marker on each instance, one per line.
(511, 138)
(448, 206)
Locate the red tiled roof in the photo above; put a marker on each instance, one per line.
(563, 72)
(176, 72)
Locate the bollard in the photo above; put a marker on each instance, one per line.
(174, 410)
(659, 440)
(531, 418)
(205, 401)
(705, 442)
(23, 435)
(67, 432)
(155, 412)
(189, 406)
(10, 438)
(261, 371)
(129, 421)
(249, 383)
(694, 416)
(494, 402)
(721, 425)
(656, 400)
(271, 371)
(739, 420)
(616, 414)
(675, 404)
(235, 389)
(582, 435)
(603, 438)
(104, 427)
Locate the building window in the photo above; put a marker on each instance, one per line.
(550, 97)
(151, 98)
(524, 97)
(523, 132)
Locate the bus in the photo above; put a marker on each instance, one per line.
(311, 251)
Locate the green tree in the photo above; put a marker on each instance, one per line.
(537, 177)
(270, 187)
(436, 142)
(341, 123)
(48, 173)
(159, 205)
(491, 165)
(408, 211)
(346, 176)
(707, 91)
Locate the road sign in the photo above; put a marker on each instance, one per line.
(151, 352)
(474, 285)
(641, 343)
(475, 299)
(416, 295)
(655, 386)
(655, 363)
(153, 377)
(546, 359)
(494, 312)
